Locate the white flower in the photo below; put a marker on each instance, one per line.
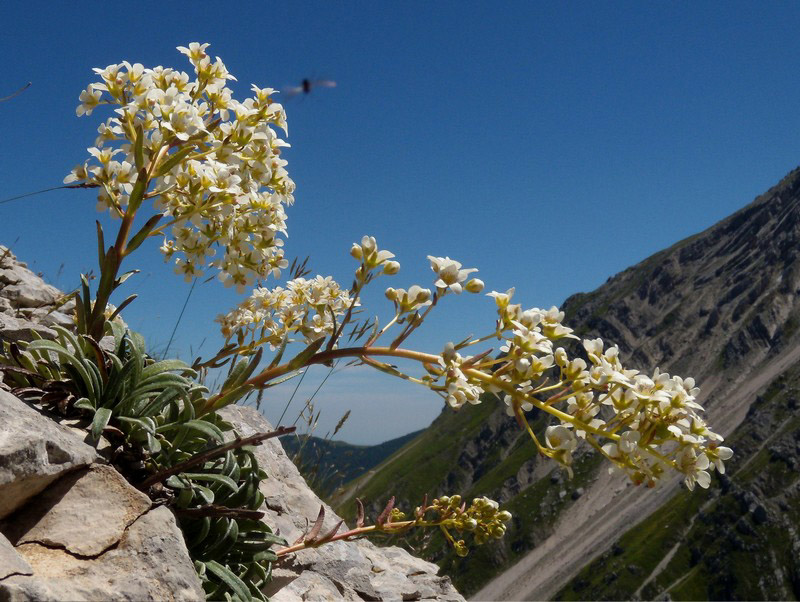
(694, 467)
(560, 437)
(449, 272)
(629, 441)
(459, 389)
(89, 98)
(718, 455)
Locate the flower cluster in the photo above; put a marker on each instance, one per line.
(409, 301)
(211, 164)
(652, 421)
(305, 307)
(458, 390)
(483, 518)
(643, 424)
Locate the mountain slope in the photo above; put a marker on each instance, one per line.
(327, 464)
(721, 306)
(738, 541)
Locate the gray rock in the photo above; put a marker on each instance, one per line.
(149, 563)
(31, 291)
(50, 317)
(9, 276)
(18, 329)
(357, 570)
(34, 452)
(11, 563)
(85, 512)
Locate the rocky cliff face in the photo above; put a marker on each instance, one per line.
(72, 528)
(722, 306)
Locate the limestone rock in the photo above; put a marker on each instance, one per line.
(80, 531)
(84, 512)
(149, 563)
(28, 302)
(31, 291)
(11, 563)
(34, 452)
(357, 570)
(18, 329)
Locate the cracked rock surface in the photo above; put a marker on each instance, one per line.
(11, 563)
(34, 452)
(85, 512)
(150, 562)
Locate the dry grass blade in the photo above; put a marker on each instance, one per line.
(216, 510)
(213, 453)
(17, 93)
(299, 270)
(341, 422)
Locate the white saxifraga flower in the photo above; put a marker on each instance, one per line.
(450, 275)
(694, 467)
(230, 185)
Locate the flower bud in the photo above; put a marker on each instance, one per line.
(474, 286)
(391, 294)
(355, 251)
(423, 295)
(390, 268)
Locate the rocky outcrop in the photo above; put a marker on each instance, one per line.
(72, 528)
(28, 303)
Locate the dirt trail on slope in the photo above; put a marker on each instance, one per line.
(611, 504)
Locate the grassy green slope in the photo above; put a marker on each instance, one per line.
(419, 466)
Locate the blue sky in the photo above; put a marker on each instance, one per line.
(550, 145)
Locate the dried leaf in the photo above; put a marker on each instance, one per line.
(329, 535)
(360, 519)
(383, 517)
(316, 527)
(421, 510)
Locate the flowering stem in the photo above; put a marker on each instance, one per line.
(563, 416)
(326, 356)
(389, 528)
